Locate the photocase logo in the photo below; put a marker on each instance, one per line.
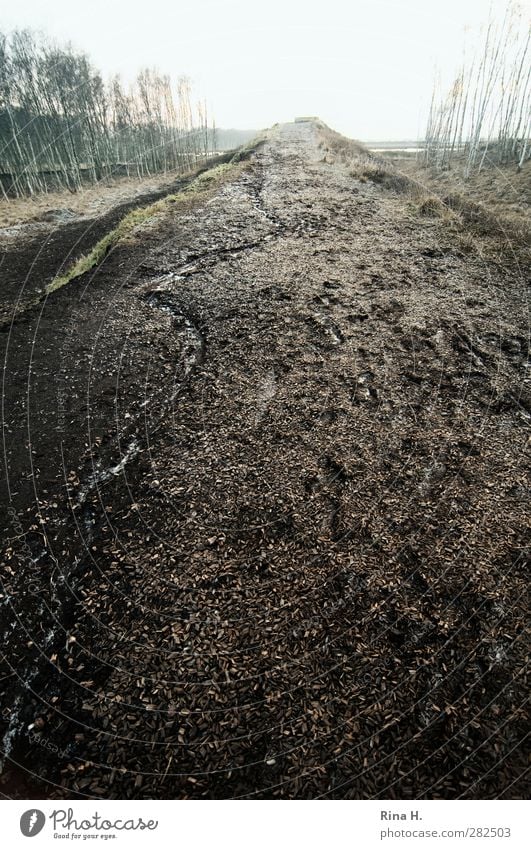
(31, 822)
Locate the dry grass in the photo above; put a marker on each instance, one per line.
(89, 201)
(366, 167)
(387, 177)
(488, 222)
(480, 207)
(338, 148)
(433, 207)
(493, 204)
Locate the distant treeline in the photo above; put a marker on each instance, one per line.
(230, 139)
(486, 114)
(61, 125)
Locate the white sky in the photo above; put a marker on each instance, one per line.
(364, 66)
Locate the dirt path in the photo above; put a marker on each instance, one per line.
(267, 488)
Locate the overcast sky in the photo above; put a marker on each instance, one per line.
(364, 66)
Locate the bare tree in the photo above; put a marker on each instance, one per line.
(485, 115)
(61, 126)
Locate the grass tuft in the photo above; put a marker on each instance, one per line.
(339, 148)
(433, 207)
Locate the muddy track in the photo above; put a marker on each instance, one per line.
(34, 254)
(266, 505)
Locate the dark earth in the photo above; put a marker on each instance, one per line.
(266, 502)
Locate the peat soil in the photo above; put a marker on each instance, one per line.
(267, 477)
(33, 253)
